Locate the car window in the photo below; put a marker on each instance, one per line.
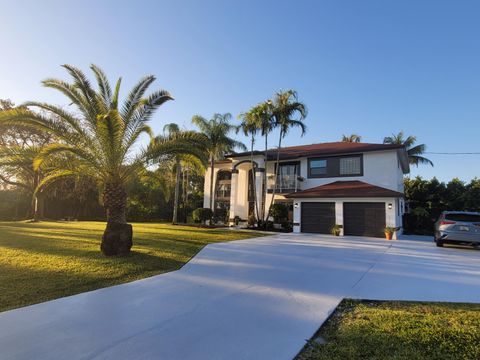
(463, 217)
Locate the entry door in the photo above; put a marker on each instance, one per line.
(317, 217)
(364, 219)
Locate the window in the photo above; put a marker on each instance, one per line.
(223, 190)
(350, 166)
(335, 166)
(318, 167)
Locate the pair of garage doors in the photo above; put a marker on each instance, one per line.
(359, 218)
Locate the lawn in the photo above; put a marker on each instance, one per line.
(48, 260)
(398, 330)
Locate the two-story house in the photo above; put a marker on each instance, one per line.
(356, 185)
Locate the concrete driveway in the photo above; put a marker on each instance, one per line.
(250, 299)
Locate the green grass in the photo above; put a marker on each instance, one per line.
(48, 260)
(398, 330)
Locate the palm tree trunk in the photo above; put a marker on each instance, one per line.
(254, 181)
(212, 168)
(264, 190)
(177, 193)
(276, 172)
(117, 238)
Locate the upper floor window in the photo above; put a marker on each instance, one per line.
(335, 166)
(317, 167)
(350, 165)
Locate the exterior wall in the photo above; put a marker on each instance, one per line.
(392, 218)
(380, 168)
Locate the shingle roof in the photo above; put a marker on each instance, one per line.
(348, 189)
(331, 148)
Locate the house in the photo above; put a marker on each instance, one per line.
(356, 185)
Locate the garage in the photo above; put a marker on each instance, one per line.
(317, 217)
(364, 218)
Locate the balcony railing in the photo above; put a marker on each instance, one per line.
(285, 184)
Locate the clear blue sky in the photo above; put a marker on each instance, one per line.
(366, 67)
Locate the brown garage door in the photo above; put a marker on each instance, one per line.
(318, 217)
(364, 219)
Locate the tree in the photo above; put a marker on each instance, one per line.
(217, 131)
(285, 107)
(249, 128)
(100, 138)
(181, 161)
(261, 118)
(414, 151)
(354, 138)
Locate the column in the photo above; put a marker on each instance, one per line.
(259, 174)
(233, 196)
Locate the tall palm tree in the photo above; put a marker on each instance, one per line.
(354, 138)
(285, 107)
(173, 128)
(414, 152)
(217, 131)
(261, 118)
(181, 161)
(100, 136)
(249, 128)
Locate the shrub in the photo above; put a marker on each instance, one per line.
(251, 221)
(220, 215)
(336, 229)
(202, 215)
(279, 212)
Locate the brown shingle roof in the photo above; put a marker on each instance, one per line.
(348, 189)
(331, 148)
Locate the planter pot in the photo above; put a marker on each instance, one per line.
(388, 236)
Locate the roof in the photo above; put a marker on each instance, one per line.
(347, 189)
(330, 148)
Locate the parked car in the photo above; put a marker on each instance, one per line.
(458, 227)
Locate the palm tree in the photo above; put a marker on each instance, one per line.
(414, 152)
(249, 128)
(181, 161)
(216, 131)
(261, 118)
(354, 138)
(100, 137)
(285, 107)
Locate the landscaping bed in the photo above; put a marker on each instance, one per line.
(397, 330)
(47, 260)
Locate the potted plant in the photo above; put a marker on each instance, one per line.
(389, 231)
(336, 229)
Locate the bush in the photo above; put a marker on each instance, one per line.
(279, 212)
(202, 215)
(251, 221)
(220, 215)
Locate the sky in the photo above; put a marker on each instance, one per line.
(367, 67)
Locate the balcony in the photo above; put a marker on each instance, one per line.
(285, 184)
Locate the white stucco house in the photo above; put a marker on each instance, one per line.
(356, 185)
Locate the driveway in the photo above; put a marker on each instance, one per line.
(250, 299)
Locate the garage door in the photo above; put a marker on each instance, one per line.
(364, 219)
(318, 217)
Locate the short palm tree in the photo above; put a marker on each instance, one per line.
(285, 106)
(414, 151)
(217, 131)
(100, 137)
(354, 138)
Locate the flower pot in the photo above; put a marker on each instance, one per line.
(388, 235)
